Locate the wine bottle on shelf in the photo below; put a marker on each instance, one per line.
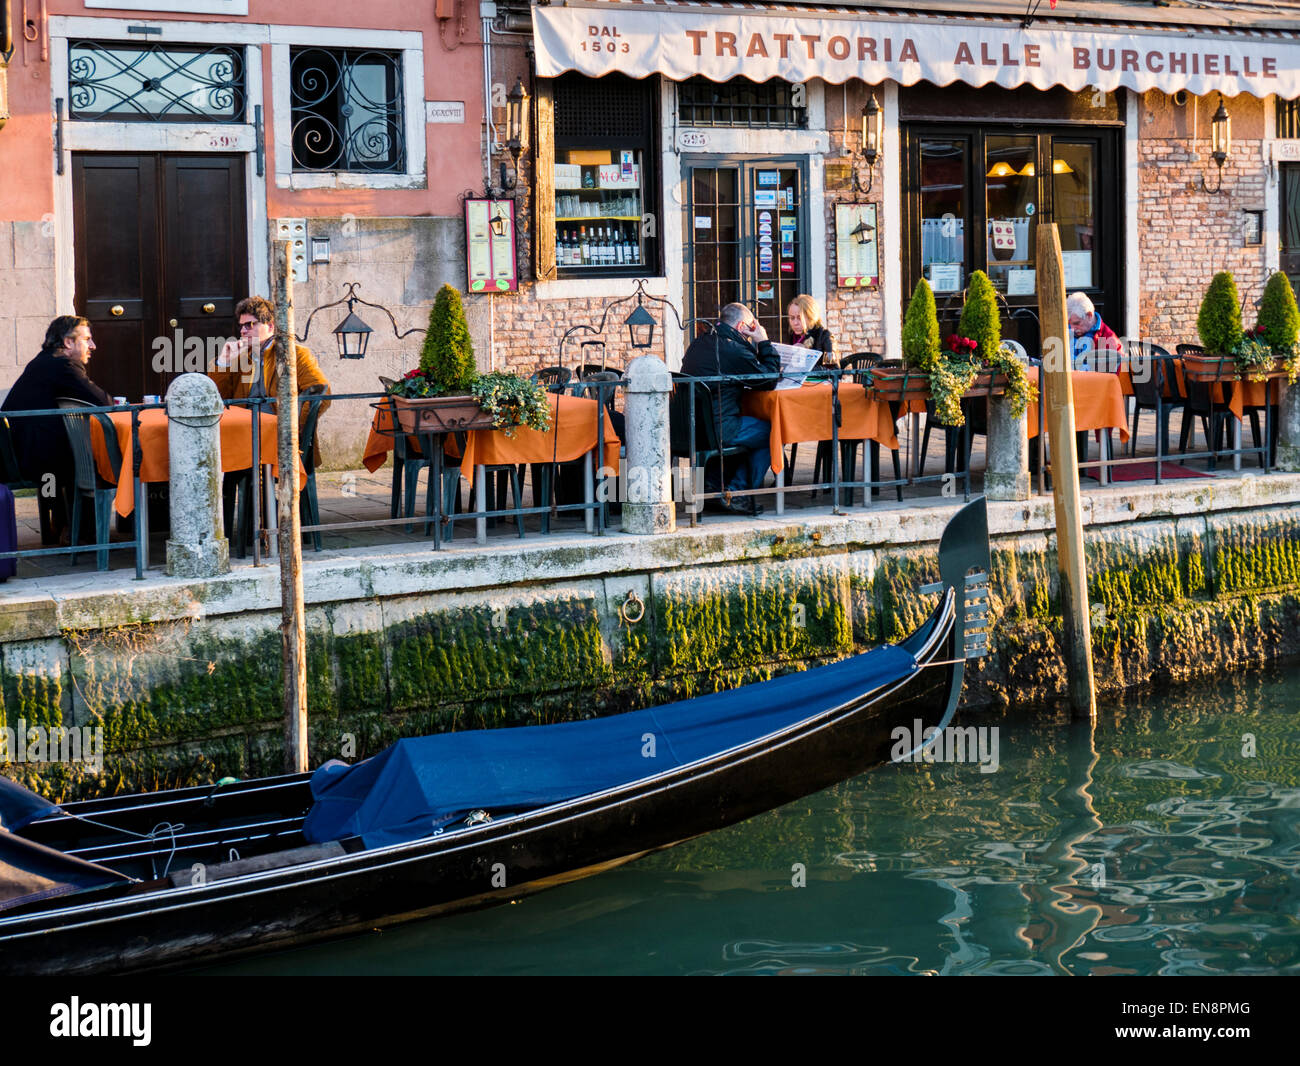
(584, 250)
(566, 250)
(620, 247)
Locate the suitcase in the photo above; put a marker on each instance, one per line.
(8, 533)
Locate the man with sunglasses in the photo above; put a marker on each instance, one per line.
(246, 367)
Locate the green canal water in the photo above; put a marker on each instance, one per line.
(1164, 841)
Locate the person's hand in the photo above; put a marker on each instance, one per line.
(756, 332)
(233, 354)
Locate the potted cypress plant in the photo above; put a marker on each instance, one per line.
(445, 393)
(1219, 327)
(1278, 327)
(920, 350)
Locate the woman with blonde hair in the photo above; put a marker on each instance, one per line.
(808, 331)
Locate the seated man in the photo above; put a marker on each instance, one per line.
(246, 367)
(41, 444)
(739, 347)
(1089, 332)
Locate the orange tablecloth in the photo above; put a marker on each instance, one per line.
(1240, 394)
(574, 419)
(155, 465)
(804, 414)
(1098, 402)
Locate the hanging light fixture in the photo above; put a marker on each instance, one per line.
(1001, 169)
(1220, 144)
(640, 327)
(872, 122)
(862, 232)
(516, 116)
(353, 335)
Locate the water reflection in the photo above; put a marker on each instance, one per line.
(1164, 840)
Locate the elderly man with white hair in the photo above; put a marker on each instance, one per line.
(1090, 333)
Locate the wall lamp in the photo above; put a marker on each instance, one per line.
(516, 116)
(872, 120)
(352, 334)
(1220, 144)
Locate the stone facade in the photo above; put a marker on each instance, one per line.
(27, 302)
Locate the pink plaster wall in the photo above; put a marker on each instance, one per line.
(453, 151)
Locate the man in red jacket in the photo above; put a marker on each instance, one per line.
(1090, 332)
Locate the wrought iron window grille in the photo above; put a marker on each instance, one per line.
(155, 82)
(1288, 118)
(740, 102)
(347, 110)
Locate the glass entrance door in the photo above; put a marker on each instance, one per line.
(745, 238)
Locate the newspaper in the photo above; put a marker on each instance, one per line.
(796, 362)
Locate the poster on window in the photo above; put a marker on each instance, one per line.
(490, 251)
(857, 261)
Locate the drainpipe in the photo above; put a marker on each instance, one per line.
(487, 11)
(6, 46)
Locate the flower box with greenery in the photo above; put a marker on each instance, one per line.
(1277, 330)
(445, 393)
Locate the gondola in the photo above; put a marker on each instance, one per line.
(437, 824)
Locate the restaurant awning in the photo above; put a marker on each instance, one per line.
(721, 40)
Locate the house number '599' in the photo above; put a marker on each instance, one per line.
(223, 141)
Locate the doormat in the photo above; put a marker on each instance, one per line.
(1147, 472)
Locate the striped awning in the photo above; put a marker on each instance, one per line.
(722, 40)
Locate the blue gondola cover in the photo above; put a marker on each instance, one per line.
(417, 786)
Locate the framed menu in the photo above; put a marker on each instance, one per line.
(490, 245)
(857, 260)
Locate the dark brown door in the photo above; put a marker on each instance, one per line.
(1289, 192)
(161, 259)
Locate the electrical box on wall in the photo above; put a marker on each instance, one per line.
(295, 230)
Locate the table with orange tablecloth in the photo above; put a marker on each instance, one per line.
(155, 463)
(1098, 402)
(804, 414)
(571, 436)
(1240, 394)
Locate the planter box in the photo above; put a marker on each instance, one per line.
(1209, 368)
(898, 383)
(441, 414)
(986, 383)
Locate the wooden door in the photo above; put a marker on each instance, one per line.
(1289, 216)
(161, 259)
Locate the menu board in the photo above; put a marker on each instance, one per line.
(490, 245)
(857, 260)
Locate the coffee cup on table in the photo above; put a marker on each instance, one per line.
(152, 398)
(119, 401)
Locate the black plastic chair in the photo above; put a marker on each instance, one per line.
(822, 461)
(88, 481)
(706, 447)
(12, 475)
(555, 378)
(860, 363)
(313, 397)
(1157, 391)
(1214, 416)
(1253, 411)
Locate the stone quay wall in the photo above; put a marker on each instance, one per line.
(184, 676)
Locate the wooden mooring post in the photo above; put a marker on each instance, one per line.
(1058, 396)
(293, 631)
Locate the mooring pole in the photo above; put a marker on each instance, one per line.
(293, 631)
(1058, 397)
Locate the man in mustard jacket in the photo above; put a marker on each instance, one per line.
(240, 374)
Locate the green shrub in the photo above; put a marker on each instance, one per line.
(921, 329)
(980, 320)
(1219, 323)
(1278, 314)
(447, 356)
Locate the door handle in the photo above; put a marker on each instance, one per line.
(209, 308)
(172, 322)
(117, 310)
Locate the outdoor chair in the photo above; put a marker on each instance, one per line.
(860, 362)
(555, 378)
(313, 396)
(584, 370)
(1157, 392)
(408, 460)
(12, 475)
(1253, 411)
(1199, 404)
(88, 481)
(706, 447)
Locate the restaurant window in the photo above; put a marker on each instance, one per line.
(773, 104)
(1288, 118)
(155, 83)
(347, 110)
(977, 195)
(604, 176)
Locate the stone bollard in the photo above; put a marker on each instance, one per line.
(198, 546)
(1288, 437)
(1006, 472)
(648, 505)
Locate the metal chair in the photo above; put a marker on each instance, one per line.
(1149, 391)
(555, 378)
(1253, 411)
(11, 474)
(88, 481)
(859, 363)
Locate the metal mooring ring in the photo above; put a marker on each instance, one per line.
(632, 610)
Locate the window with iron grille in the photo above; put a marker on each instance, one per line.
(155, 82)
(1288, 118)
(347, 110)
(740, 102)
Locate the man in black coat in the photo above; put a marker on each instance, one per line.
(41, 444)
(739, 348)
